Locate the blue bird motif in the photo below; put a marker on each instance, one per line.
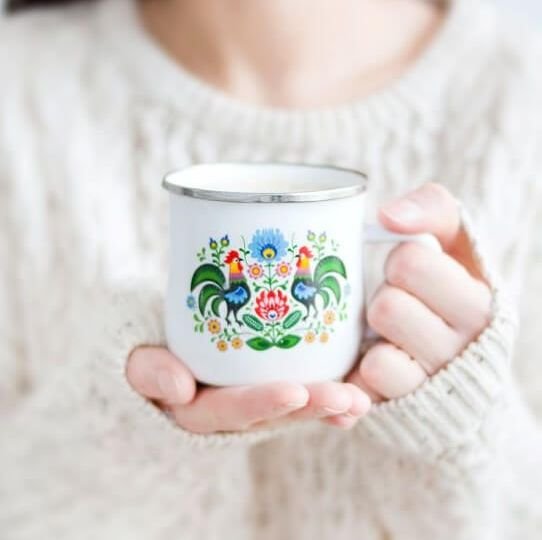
(307, 286)
(214, 288)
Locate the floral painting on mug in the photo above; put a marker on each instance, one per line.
(269, 292)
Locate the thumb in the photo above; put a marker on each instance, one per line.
(429, 209)
(155, 373)
(432, 209)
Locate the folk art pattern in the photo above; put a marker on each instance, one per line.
(270, 292)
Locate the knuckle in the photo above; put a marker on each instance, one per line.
(383, 308)
(372, 369)
(479, 318)
(404, 261)
(485, 312)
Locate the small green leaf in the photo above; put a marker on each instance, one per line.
(289, 341)
(292, 319)
(259, 344)
(329, 265)
(207, 272)
(332, 284)
(252, 322)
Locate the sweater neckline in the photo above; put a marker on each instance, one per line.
(157, 76)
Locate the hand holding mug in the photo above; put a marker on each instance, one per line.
(387, 370)
(160, 377)
(431, 305)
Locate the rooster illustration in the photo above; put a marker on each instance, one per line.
(306, 287)
(236, 295)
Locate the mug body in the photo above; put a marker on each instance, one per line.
(265, 291)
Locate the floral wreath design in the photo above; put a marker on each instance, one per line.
(271, 293)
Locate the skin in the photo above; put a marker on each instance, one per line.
(271, 54)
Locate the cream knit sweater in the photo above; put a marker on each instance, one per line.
(91, 114)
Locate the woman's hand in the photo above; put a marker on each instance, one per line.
(158, 376)
(431, 306)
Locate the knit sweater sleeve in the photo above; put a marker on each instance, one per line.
(465, 443)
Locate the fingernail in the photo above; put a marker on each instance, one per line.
(171, 387)
(293, 405)
(403, 210)
(330, 410)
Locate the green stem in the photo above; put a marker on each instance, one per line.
(269, 278)
(244, 259)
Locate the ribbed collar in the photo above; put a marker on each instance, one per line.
(156, 76)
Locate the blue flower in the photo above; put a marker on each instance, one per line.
(213, 244)
(268, 245)
(191, 302)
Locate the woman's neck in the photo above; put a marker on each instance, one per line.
(301, 53)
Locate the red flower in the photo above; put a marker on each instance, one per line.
(272, 305)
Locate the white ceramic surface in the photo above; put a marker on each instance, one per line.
(195, 221)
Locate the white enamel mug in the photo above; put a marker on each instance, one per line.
(266, 271)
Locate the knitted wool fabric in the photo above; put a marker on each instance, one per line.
(92, 113)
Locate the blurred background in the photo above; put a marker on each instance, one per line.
(530, 9)
(526, 8)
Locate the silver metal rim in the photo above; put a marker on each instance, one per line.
(341, 192)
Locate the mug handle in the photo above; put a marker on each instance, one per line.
(376, 234)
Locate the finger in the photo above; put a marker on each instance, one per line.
(403, 320)
(325, 399)
(355, 378)
(238, 408)
(155, 373)
(442, 284)
(430, 208)
(390, 372)
(331, 399)
(360, 407)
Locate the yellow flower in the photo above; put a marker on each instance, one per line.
(324, 337)
(310, 337)
(222, 345)
(237, 343)
(329, 317)
(214, 326)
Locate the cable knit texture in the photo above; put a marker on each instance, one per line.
(92, 113)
